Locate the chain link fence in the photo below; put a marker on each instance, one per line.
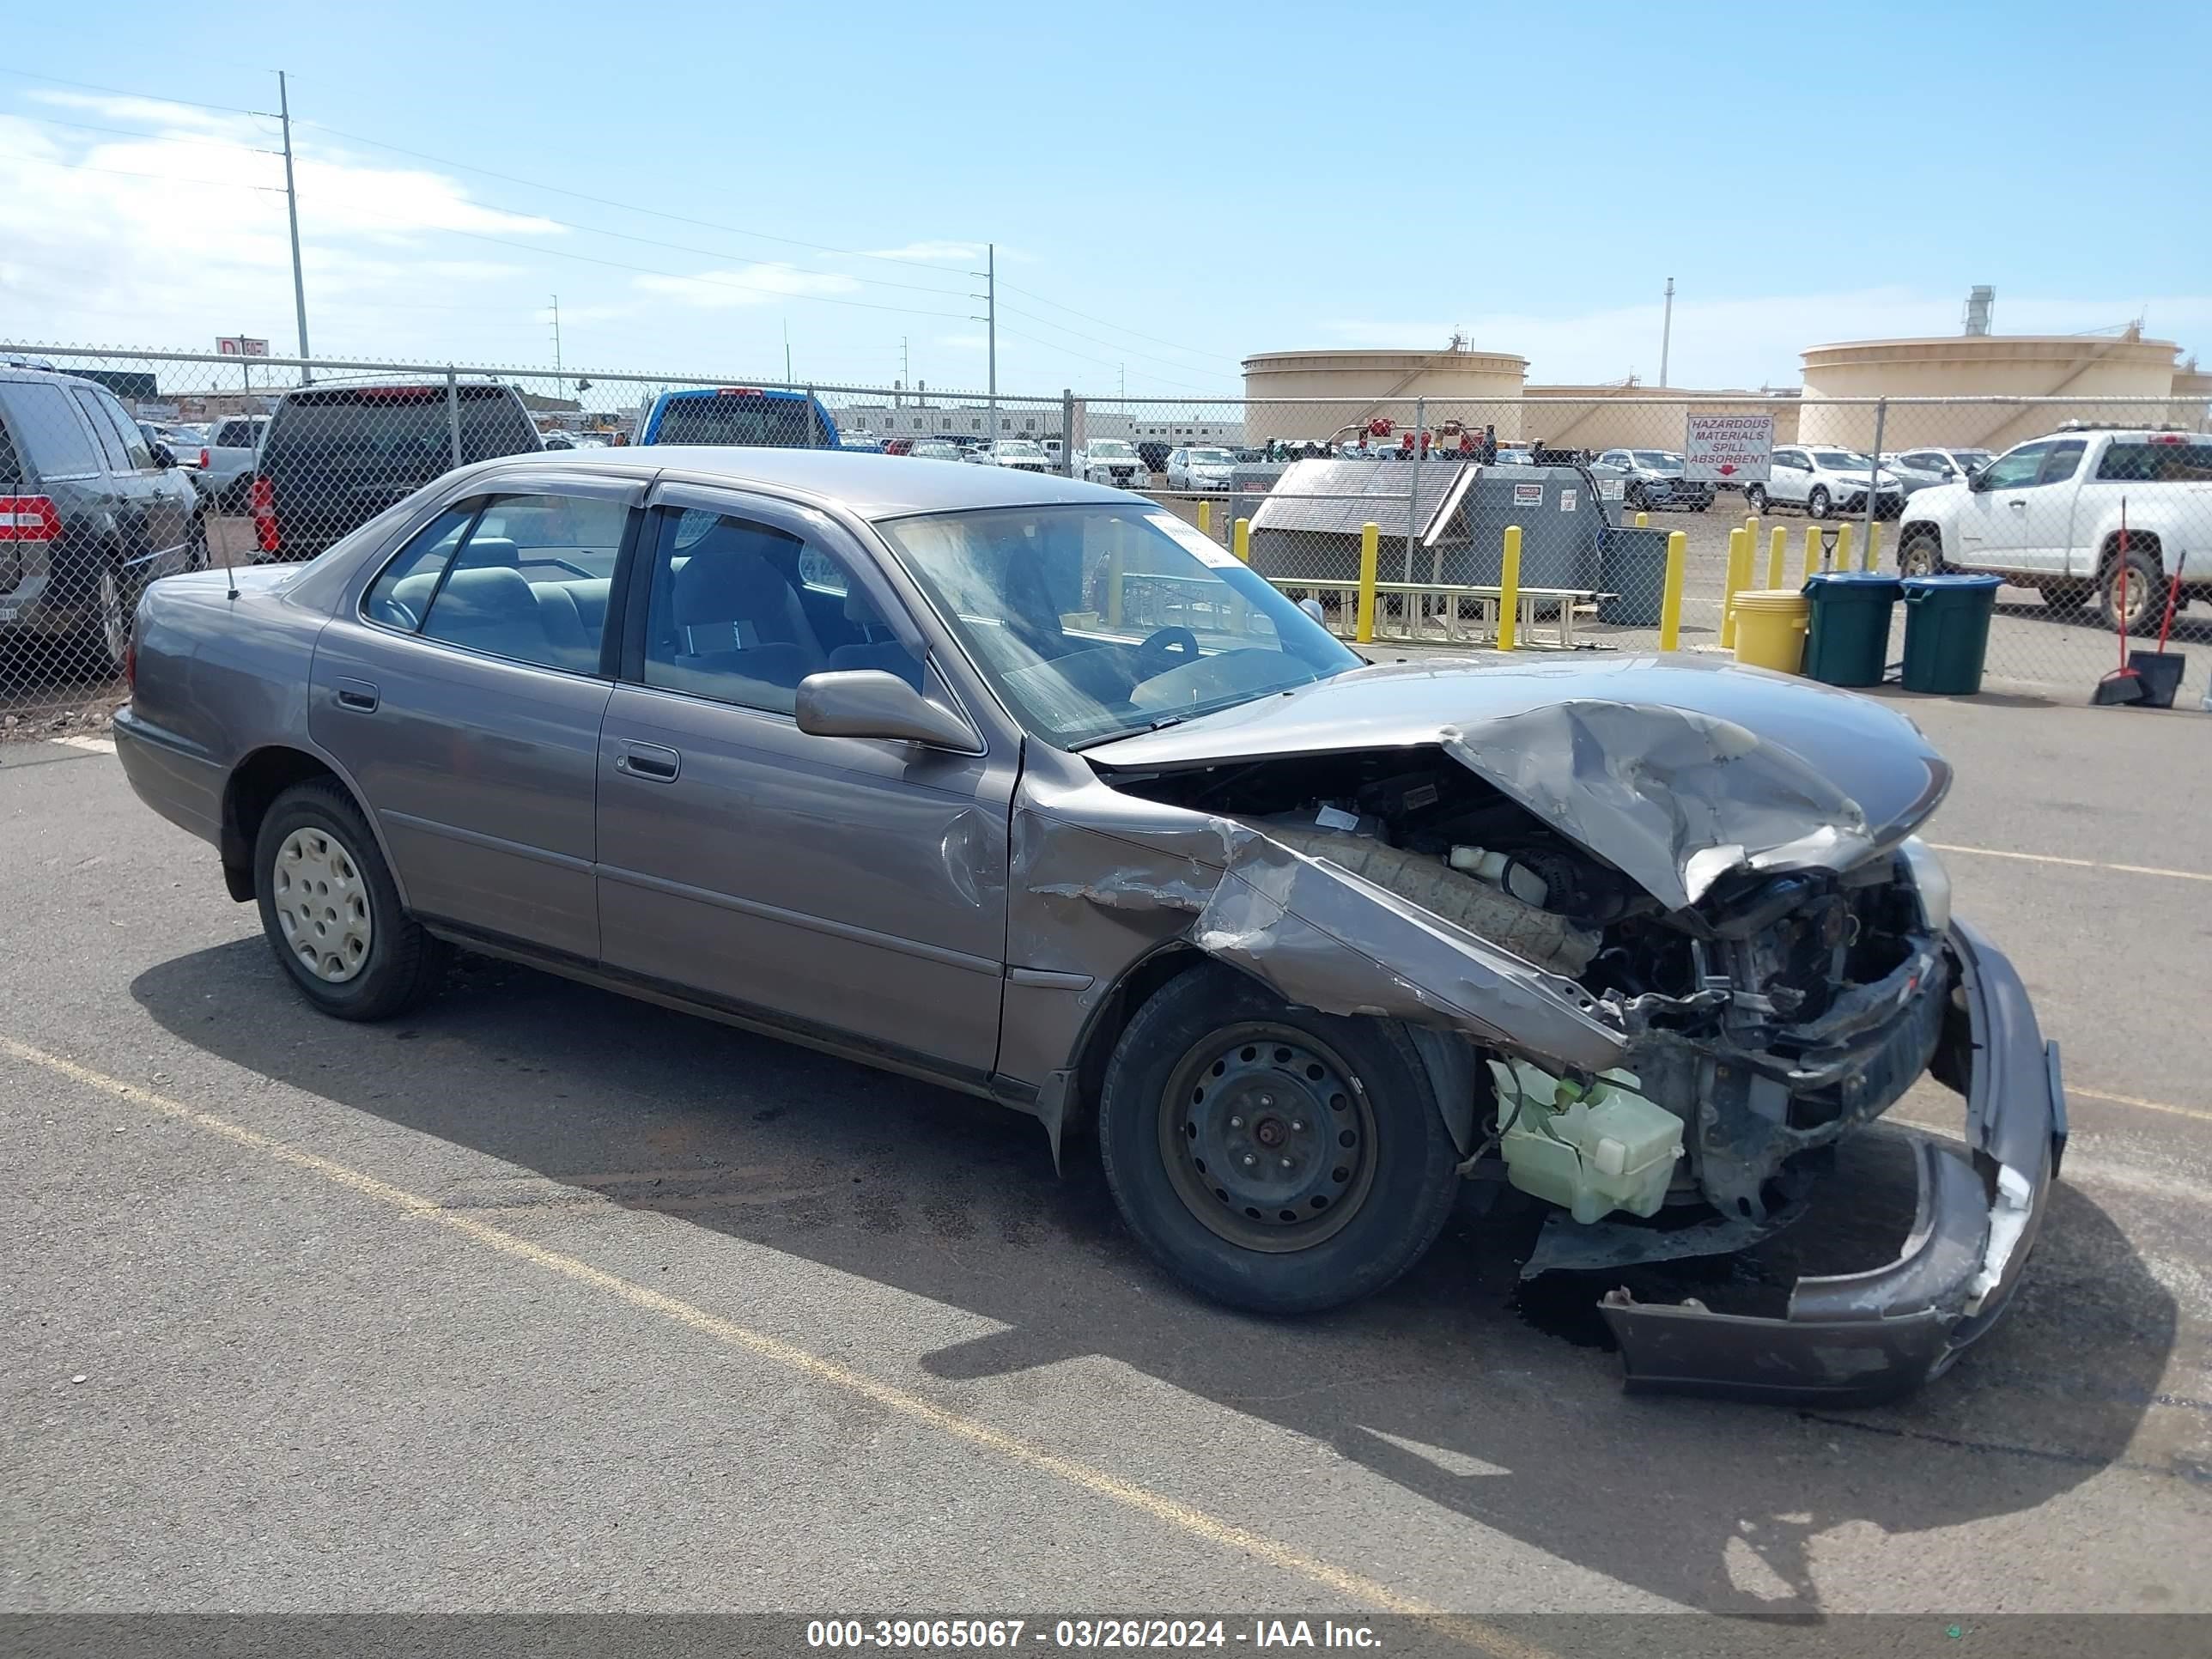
(1570, 505)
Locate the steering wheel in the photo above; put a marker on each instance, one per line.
(1164, 648)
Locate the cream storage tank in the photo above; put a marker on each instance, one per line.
(1476, 388)
(2083, 368)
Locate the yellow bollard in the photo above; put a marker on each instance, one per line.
(1371, 558)
(1738, 578)
(1751, 535)
(1240, 540)
(1670, 596)
(1778, 554)
(1811, 550)
(1508, 587)
(1644, 521)
(1206, 518)
(1873, 547)
(1844, 545)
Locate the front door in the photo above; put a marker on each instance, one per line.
(462, 692)
(2046, 522)
(847, 887)
(1994, 527)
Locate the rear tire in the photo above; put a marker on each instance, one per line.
(1816, 504)
(1273, 1158)
(1754, 497)
(1921, 555)
(113, 605)
(331, 910)
(2146, 592)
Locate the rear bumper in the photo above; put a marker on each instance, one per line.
(1859, 1337)
(170, 775)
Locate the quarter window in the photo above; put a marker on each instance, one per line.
(2063, 460)
(48, 428)
(138, 453)
(741, 612)
(119, 459)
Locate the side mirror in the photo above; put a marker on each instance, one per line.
(870, 702)
(165, 458)
(1976, 480)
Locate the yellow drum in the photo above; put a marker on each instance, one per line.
(1770, 627)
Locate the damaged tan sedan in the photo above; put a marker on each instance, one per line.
(1022, 785)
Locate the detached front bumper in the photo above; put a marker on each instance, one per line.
(1859, 1337)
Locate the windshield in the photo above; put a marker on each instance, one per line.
(1092, 622)
(1112, 449)
(1971, 459)
(1212, 457)
(938, 452)
(1656, 458)
(1017, 447)
(1841, 460)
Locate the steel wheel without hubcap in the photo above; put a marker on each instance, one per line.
(1268, 1137)
(322, 905)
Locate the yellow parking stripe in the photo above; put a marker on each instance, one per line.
(913, 1406)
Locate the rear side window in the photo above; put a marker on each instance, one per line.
(2145, 463)
(103, 432)
(11, 468)
(523, 577)
(49, 431)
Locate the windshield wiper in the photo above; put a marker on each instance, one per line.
(1119, 733)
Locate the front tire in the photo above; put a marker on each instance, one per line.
(1921, 555)
(111, 612)
(1816, 504)
(1273, 1158)
(332, 911)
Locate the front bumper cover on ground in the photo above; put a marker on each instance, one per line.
(1859, 1337)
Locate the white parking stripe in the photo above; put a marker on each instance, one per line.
(2078, 864)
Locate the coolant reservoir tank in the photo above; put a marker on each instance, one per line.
(1588, 1151)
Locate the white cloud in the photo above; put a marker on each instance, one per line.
(746, 285)
(964, 342)
(949, 252)
(1751, 341)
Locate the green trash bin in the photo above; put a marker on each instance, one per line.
(1848, 643)
(1947, 632)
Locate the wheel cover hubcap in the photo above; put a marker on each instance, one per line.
(322, 905)
(1267, 1137)
(113, 624)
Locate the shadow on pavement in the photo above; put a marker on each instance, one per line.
(1441, 1385)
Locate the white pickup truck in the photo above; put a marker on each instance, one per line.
(2047, 514)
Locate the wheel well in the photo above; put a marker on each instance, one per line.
(1136, 987)
(2139, 541)
(254, 784)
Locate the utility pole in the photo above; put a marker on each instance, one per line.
(556, 346)
(786, 351)
(990, 296)
(292, 206)
(1667, 331)
(906, 368)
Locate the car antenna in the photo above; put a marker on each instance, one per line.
(229, 575)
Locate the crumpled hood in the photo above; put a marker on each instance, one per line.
(1674, 770)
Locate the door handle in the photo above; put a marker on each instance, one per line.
(2018, 504)
(649, 762)
(357, 695)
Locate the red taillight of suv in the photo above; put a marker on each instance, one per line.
(261, 503)
(204, 460)
(29, 518)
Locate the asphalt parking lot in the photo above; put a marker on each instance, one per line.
(544, 1299)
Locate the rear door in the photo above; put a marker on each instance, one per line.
(461, 685)
(154, 505)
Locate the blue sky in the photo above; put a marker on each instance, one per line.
(1169, 187)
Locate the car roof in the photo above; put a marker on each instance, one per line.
(873, 485)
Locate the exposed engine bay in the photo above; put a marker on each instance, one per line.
(1779, 1008)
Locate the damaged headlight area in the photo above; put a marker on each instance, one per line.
(1641, 1055)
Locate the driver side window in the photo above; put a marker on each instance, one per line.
(2016, 468)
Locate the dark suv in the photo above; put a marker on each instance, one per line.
(338, 453)
(90, 512)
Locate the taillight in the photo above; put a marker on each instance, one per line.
(29, 519)
(204, 462)
(261, 503)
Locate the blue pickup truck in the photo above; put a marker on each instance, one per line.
(740, 415)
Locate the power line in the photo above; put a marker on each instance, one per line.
(154, 138)
(125, 173)
(1111, 345)
(1054, 345)
(119, 92)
